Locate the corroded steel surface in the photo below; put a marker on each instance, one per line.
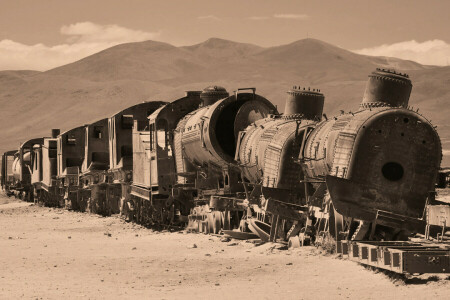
(387, 88)
(208, 134)
(268, 151)
(392, 150)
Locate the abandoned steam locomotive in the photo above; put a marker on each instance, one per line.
(216, 161)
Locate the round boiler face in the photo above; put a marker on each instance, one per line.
(398, 153)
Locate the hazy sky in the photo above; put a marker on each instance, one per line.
(41, 34)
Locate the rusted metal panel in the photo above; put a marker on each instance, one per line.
(284, 210)
(399, 257)
(269, 149)
(363, 202)
(342, 154)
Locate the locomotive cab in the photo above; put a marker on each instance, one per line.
(45, 171)
(7, 172)
(121, 158)
(95, 164)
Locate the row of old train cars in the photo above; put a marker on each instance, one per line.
(213, 161)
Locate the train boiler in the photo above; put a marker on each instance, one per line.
(21, 169)
(205, 146)
(374, 169)
(268, 149)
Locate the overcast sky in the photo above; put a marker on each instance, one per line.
(42, 34)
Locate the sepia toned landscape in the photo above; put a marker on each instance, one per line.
(203, 149)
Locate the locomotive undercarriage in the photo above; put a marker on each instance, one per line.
(49, 196)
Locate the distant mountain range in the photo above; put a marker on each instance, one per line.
(99, 85)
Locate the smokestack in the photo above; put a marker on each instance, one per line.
(211, 94)
(55, 133)
(305, 103)
(387, 88)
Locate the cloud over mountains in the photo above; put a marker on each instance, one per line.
(433, 52)
(83, 39)
(86, 38)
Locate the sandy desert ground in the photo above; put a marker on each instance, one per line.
(53, 254)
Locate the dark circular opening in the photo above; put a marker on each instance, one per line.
(392, 171)
(423, 142)
(406, 120)
(402, 134)
(379, 131)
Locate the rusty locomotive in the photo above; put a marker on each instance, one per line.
(214, 161)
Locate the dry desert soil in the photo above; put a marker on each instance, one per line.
(56, 254)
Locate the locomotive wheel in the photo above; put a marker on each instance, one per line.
(217, 223)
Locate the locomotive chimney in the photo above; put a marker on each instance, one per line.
(387, 88)
(213, 93)
(55, 133)
(305, 103)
